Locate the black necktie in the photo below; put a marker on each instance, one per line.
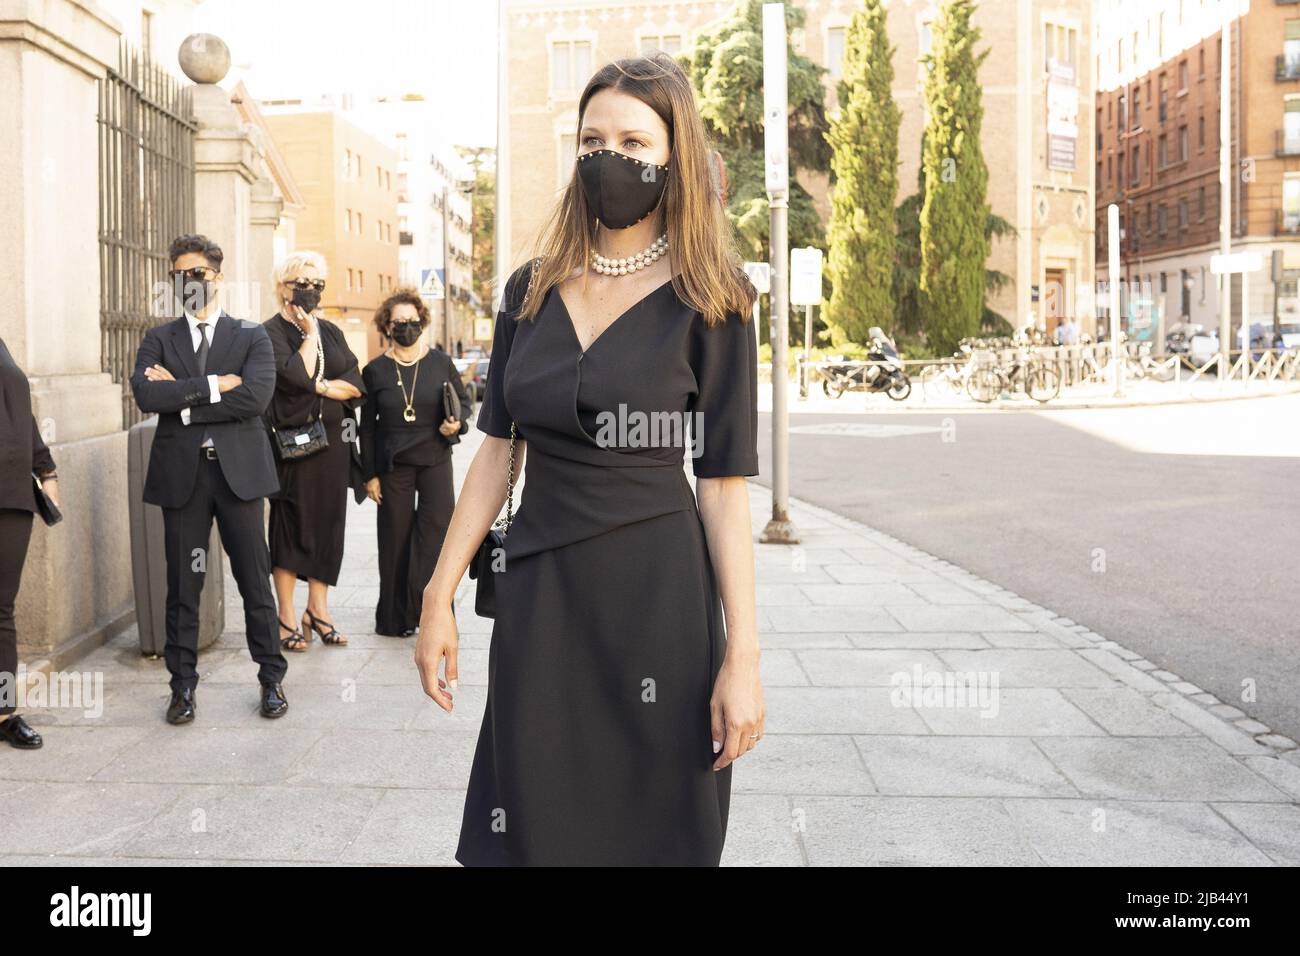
(202, 353)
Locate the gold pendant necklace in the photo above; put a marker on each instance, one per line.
(408, 413)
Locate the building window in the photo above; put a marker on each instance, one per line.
(1200, 203)
(1162, 152)
(1137, 105)
(360, 228)
(670, 43)
(1182, 76)
(1291, 203)
(568, 147)
(1162, 219)
(570, 65)
(348, 226)
(1060, 44)
(357, 172)
(1291, 125)
(1200, 63)
(1164, 96)
(347, 164)
(1291, 49)
(1182, 144)
(835, 52)
(1134, 171)
(361, 280)
(1200, 132)
(1123, 111)
(1183, 216)
(349, 287)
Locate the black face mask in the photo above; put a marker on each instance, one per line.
(406, 334)
(621, 191)
(306, 299)
(192, 297)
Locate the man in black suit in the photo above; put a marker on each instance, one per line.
(210, 377)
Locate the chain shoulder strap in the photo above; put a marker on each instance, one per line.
(514, 431)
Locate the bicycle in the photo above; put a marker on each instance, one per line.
(1040, 381)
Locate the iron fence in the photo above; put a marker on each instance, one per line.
(146, 197)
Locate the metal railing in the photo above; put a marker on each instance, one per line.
(146, 198)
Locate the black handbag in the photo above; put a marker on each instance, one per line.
(483, 568)
(299, 441)
(45, 506)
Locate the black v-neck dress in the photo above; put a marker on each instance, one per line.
(596, 748)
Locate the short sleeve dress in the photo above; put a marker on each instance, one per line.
(595, 747)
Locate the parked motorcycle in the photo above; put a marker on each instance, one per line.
(881, 372)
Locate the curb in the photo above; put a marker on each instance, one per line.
(1222, 723)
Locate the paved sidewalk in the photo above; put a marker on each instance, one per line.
(1080, 753)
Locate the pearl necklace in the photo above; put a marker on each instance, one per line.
(622, 267)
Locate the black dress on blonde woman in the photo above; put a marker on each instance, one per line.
(595, 748)
(309, 514)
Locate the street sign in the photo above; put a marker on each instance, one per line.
(1236, 262)
(805, 276)
(760, 274)
(430, 284)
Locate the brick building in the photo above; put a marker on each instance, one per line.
(349, 185)
(1037, 132)
(1157, 152)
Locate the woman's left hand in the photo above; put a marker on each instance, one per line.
(736, 710)
(51, 487)
(449, 427)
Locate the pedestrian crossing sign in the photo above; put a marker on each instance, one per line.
(431, 284)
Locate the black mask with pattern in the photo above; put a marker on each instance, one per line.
(621, 191)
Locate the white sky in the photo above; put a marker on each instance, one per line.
(445, 49)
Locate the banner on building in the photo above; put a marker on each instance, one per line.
(1062, 116)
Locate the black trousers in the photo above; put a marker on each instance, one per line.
(414, 512)
(243, 534)
(15, 535)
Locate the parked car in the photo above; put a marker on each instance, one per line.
(473, 372)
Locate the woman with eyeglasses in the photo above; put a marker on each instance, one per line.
(406, 437)
(317, 379)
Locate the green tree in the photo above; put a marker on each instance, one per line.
(864, 163)
(482, 160)
(725, 67)
(955, 211)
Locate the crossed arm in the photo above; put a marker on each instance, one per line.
(243, 396)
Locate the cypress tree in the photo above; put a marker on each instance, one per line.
(864, 163)
(955, 211)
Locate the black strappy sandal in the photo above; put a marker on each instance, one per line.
(311, 622)
(296, 641)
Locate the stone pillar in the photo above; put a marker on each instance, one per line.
(226, 168)
(267, 206)
(77, 582)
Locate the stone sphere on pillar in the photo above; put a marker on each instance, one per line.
(204, 58)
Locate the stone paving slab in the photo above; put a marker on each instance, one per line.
(916, 715)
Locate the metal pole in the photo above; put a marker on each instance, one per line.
(1112, 243)
(1225, 189)
(446, 276)
(779, 530)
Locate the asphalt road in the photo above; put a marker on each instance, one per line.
(1195, 510)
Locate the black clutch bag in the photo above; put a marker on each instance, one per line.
(483, 568)
(45, 506)
(299, 441)
(450, 401)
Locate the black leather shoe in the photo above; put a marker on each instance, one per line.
(274, 703)
(16, 731)
(181, 709)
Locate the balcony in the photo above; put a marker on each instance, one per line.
(1287, 144)
(1288, 67)
(1286, 223)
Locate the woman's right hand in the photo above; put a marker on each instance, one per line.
(306, 321)
(373, 490)
(438, 641)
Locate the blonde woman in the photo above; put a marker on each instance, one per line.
(616, 702)
(317, 379)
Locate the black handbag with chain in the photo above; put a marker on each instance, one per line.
(298, 441)
(483, 568)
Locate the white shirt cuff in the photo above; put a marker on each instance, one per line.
(213, 389)
(185, 416)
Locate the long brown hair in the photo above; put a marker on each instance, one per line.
(700, 236)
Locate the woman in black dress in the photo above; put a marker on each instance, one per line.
(23, 453)
(616, 702)
(316, 377)
(406, 439)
